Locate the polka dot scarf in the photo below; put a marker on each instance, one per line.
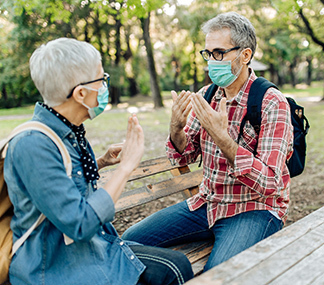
(89, 166)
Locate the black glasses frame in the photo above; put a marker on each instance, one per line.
(211, 53)
(105, 79)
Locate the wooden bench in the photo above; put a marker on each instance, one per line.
(180, 180)
(294, 255)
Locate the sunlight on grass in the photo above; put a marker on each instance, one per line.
(111, 126)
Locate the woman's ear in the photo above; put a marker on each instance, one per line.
(247, 55)
(79, 94)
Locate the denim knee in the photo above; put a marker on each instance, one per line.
(163, 266)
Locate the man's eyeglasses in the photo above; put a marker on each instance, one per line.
(105, 82)
(216, 53)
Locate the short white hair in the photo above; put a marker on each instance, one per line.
(60, 65)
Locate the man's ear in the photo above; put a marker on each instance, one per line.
(247, 55)
(79, 94)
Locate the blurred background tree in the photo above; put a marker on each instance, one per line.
(149, 46)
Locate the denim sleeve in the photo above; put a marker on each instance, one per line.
(38, 169)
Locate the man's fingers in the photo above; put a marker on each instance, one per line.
(222, 106)
(174, 95)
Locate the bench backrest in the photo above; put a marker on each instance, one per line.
(181, 180)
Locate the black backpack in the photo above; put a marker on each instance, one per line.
(296, 163)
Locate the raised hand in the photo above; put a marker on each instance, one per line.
(180, 110)
(133, 148)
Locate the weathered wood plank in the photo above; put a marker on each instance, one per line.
(187, 248)
(199, 253)
(145, 169)
(318, 280)
(270, 269)
(151, 192)
(198, 266)
(304, 272)
(235, 267)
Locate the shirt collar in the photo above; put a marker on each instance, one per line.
(242, 96)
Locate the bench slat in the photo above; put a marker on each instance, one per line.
(232, 270)
(145, 169)
(310, 268)
(151, 192)
(198, 266)
(274, 266)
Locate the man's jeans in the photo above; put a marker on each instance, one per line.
(177, 224)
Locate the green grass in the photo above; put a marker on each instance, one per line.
(17, 111)
(110, 127)
(301, 91)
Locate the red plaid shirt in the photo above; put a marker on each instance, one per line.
(260, 182)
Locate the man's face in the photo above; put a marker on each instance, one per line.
(221, 40)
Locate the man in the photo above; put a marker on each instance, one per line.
(242, 198)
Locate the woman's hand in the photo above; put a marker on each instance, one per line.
(111, 156)
(133, 148)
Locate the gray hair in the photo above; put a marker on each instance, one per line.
(242, 31)
(60, 65)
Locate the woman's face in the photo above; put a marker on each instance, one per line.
(91, 98)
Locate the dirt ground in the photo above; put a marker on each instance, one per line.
(306, 196)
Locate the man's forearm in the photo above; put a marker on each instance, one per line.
(178, 139)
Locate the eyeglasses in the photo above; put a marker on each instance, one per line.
(105, 82)
(216, 53)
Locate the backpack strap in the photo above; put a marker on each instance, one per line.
(257, 90)
(210, 92)
(38, 126)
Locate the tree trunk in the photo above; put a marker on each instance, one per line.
(176, 70)
(195, 86)
(309, 70)
(156, 94)
(115, 91)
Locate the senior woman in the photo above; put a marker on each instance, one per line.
(70, 78)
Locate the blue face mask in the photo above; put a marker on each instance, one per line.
(220, 72)
(103, 96)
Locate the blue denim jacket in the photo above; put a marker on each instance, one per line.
(37, 183)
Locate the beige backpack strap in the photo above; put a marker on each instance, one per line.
(38, 126)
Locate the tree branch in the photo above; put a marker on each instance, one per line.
(310, 30)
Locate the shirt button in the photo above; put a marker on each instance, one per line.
(103, 232)
(132, 257)
(121, 243)
(74, 145)
(79, 172)
(71, 136)
(214, 172)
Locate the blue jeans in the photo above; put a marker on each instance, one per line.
(177, 224)
(163, 266)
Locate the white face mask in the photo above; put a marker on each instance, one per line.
(103, 96)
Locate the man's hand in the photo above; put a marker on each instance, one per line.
(216, 124)
(180, 111)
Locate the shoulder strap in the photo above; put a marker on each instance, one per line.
(210, 92)
(257, 90)
(38, 126)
